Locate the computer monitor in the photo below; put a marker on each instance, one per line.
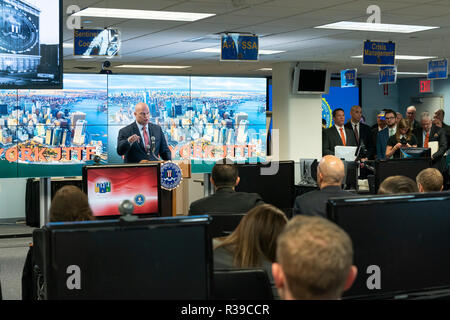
(276, 188)
(405, 236)
(403, 167)
(415, 153)
(108, 185)
(156, 258)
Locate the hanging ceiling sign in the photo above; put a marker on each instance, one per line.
(438, 69)
(239, 47)
(96, 42)
(348, 78)
(388, 74)
(379, 53)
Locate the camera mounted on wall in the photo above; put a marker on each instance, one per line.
(105, 66)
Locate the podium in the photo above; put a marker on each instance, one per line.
(169, 204)
(37, 215)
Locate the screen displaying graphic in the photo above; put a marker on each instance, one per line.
(47, 133)
(338, 97)
(203, 118)
(54, 132)
(30, 50)
(108, 187)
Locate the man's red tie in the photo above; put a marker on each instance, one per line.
(427, 138)
(146, 138)
(342, 136)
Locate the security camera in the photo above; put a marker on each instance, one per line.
(106, 64)
(126, 209)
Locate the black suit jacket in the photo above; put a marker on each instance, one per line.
(225, 200)
(314, 203)
(436, 134)
(331, 138)
(136, 152)
(365, 136)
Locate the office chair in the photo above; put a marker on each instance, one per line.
(223, 224)
(241, 284)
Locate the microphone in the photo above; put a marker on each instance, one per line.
(153, 144)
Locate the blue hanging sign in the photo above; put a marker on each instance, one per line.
(379, 53)
(96, 42)
(438, 69)
(348, 78)
(388, 74)
(238, 47)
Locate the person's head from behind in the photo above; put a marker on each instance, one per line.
(70, 204)
(256, 235)
(330, 171)
(397, 184)
(430, 180)
(225, 174)
(314, 260)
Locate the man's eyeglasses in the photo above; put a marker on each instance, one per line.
(389, 118)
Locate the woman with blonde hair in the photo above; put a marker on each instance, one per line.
(403, 138)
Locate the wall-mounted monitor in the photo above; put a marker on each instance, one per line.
(107, 186)
(310, 81)
(30, 44)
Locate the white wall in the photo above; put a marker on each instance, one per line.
(297, 117)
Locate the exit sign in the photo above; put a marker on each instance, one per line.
(425, 86)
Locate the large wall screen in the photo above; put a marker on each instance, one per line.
(55, 132)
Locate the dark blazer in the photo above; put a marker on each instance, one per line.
(365, 136)
(331, 138)
(314, 203)
(136, 152)
(382, 139)
(436, 134)
(225, 200)
(416, 125)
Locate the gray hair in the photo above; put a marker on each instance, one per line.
(425, 116)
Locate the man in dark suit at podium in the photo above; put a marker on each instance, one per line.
(337, 135)
(142, 140)
(225, 177)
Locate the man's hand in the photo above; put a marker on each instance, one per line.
(133, 138)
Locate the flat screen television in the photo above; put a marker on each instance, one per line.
(156, 258)
(276, 186)
(406, 236)
(31, 53)
(310, 81)
(108, 185)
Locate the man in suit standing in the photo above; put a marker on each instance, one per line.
(142, 140)
(337, 135)
(225, 177)
(330, 174)
(386, 133)
(438, 121)
(429, 132)
(411, 116)
(361, 131)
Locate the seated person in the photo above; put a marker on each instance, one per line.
(430, 180)
(397, 184)
(225, 178)
(68, 204)
(330, 174)
(314, 260)
(403, 138)
(253, 243)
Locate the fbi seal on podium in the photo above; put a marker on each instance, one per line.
(171, 175)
